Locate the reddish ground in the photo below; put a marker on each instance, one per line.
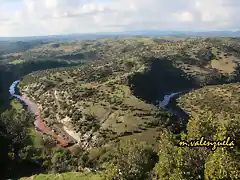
(40, 124)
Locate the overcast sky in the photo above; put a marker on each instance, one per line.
(48, 17)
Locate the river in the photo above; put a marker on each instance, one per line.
(33, 107)
(166, 100)
(39, 124)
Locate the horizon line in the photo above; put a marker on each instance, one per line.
(122, 32)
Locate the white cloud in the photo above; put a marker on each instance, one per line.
(42, 17)
(184, 16)
(31, 5)
(219, 13)
(51, 4)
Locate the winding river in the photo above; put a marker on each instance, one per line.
(39, 124)
(33, 107)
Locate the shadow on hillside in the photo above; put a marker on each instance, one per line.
(162, 78)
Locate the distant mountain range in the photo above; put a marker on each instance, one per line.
(149, 33)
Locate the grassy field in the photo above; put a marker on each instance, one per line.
(66, 176)
(145, 40)
(16, 105)
(17, 61)
(225, 65)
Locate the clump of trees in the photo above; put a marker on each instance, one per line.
(126, 159)
(199, 163)
(20, 157)
(132, 161)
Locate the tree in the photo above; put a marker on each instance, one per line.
(222, 164)
(61, 161)
(13, 137)
(111, 172)
(134, 160)
(177, 162)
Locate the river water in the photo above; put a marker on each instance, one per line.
(32, 106)
(166, 99)
(12, 87)
(38, 123)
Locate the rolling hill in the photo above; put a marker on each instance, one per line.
(104, 94)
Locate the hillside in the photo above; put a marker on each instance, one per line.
(214, 112)
(213, 107)
(108, 107)
(213, 98)
(21, 58)
(106, 99)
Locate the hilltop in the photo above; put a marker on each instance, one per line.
(149, 33)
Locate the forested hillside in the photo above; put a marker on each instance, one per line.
(107, 103)
(21, 58)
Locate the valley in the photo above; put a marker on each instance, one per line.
(113, 101)
(63, 138)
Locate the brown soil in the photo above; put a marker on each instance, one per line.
(41, 125)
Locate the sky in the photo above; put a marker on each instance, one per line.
(52, 17)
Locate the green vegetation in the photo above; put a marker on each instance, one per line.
(66, 176)
(111, 98)
(105, 103)
(17, 61)
(16, 105)
(35, 138)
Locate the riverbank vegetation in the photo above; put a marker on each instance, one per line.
(108, 106)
